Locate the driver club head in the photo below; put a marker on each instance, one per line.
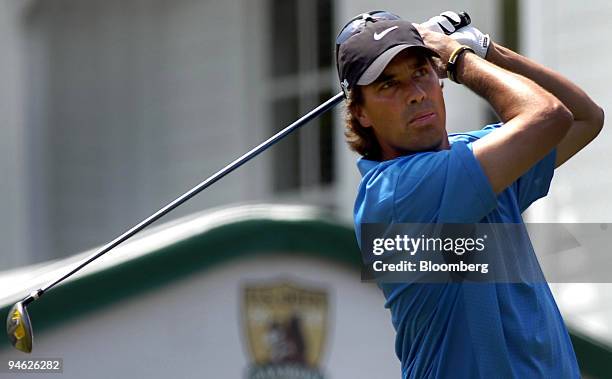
(19, 328)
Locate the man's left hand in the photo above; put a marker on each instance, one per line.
(447, 23)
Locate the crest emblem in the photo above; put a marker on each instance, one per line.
(286, 328)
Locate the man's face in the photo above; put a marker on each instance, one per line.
(405, 107)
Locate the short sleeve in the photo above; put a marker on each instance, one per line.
(532, 185)
(535, 183)
(446, 186)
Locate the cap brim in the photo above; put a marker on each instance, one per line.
(378, 66)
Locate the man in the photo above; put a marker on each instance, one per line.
(414, 172)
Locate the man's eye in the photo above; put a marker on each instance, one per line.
(421, 72)
(388, 84)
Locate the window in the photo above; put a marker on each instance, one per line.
(300, 71)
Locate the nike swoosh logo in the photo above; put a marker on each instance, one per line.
(379, 36)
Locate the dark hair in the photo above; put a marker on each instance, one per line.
(361, 140)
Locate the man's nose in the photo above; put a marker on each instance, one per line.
(414, 93)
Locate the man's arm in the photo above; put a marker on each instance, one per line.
(535, 120)
(588, 116)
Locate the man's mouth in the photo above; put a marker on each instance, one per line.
(422, 117)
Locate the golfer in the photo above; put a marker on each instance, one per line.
(413, 171)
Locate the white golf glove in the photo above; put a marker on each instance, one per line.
(447, 23)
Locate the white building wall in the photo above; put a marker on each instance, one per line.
(574, 38)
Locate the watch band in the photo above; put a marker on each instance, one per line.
(451, 66)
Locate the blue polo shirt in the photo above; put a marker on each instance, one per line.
(465, 330)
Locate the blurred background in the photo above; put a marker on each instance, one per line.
(110, 109)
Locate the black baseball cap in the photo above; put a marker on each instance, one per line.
(366, 54)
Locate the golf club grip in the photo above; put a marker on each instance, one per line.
(447, 22)
(465, 19)
(326, 106)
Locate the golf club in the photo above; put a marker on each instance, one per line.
(18, 325)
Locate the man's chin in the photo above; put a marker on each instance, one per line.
(429, 146)
(441, 145)
(433, 146)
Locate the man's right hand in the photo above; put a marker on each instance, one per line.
(440, 43)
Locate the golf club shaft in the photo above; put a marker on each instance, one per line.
(329, 104)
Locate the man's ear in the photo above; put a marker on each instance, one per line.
(362, 116)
